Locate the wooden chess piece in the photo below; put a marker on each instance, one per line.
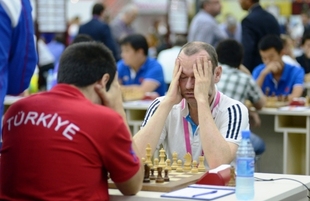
(146, 178)
(174, 161)
(179, 168)
(162, 155)
(168, 165)
(201, 166)
(194, 168)
(152, 176)
(148, 155)
(187, 162)
(155, 163)
(159, 178)
(166, 178)
(232, 181)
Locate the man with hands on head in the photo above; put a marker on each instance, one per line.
(274, 76)
(69, 140)
(194, 116)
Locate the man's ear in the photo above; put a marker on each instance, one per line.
(217, 74)
(104, 80)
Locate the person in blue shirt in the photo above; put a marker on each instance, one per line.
(274, 76)
(138, 71)
(18, 56)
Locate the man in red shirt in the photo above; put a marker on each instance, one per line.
(64, 144)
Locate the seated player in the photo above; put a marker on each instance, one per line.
(194, 117)
(274, 76)
(61, 144)
(304, 59)
(136, 70)
(240, 86)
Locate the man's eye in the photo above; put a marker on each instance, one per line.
(182, 78)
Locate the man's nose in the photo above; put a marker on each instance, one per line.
(190, 83)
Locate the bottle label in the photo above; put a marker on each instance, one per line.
(245, 167)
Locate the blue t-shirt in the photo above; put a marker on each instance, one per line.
(150, 70)
(291, 76)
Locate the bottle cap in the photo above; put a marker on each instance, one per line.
(246, 134)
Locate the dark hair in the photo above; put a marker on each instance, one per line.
(84, 63)
(98, 8)
(82, 38)
(271, 41)
(195, 47)
(230, 52)
(136, 41)
(305, 38)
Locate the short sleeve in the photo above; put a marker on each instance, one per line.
(234, 119)
(120, 159)
(155, 72)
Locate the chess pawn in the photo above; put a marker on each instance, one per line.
(174, 161)
(146, 178)
(155, 163)
(168, 163)
(159, 178)
(148, 155)
(194, 168)
(179, 167)
(152, 176)
(201, 166)
(162, 155)
(143, 160)
(166, 178)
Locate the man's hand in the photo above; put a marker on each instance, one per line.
(173, 94)
(273, 67)
(203, 75)
(113, 97)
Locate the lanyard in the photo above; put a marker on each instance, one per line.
(185, 124)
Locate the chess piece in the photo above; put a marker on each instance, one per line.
(159, 178)
(168, 165)
(155, 163)
(194, 168)
(201, 166)
(152, 176)
(162, 155)
(146, 173)
(187, 162)
(166, 178)
(148, 155)
(179, 167)
(232, 181)
(174, 161)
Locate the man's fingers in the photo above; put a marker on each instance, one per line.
(176, 67)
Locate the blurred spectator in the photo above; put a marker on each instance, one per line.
(99, 30)
(232, 27)
(305, 18)
(121, 26)
(204, 27)
(136, 70)
(255, 26)
(304, 59)
(167, 57)
(56, 47)
(73, 28)
(274, 76)
(17, 49)
(288, 50)
(240, 86)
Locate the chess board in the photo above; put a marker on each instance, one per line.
(177, 181)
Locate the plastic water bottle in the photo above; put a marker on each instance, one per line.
(245, 165)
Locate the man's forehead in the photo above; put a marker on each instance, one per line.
(185, 59)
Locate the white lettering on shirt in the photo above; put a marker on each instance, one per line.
(42, 119)
(50, 121)
(70, 130)
(31, 116)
